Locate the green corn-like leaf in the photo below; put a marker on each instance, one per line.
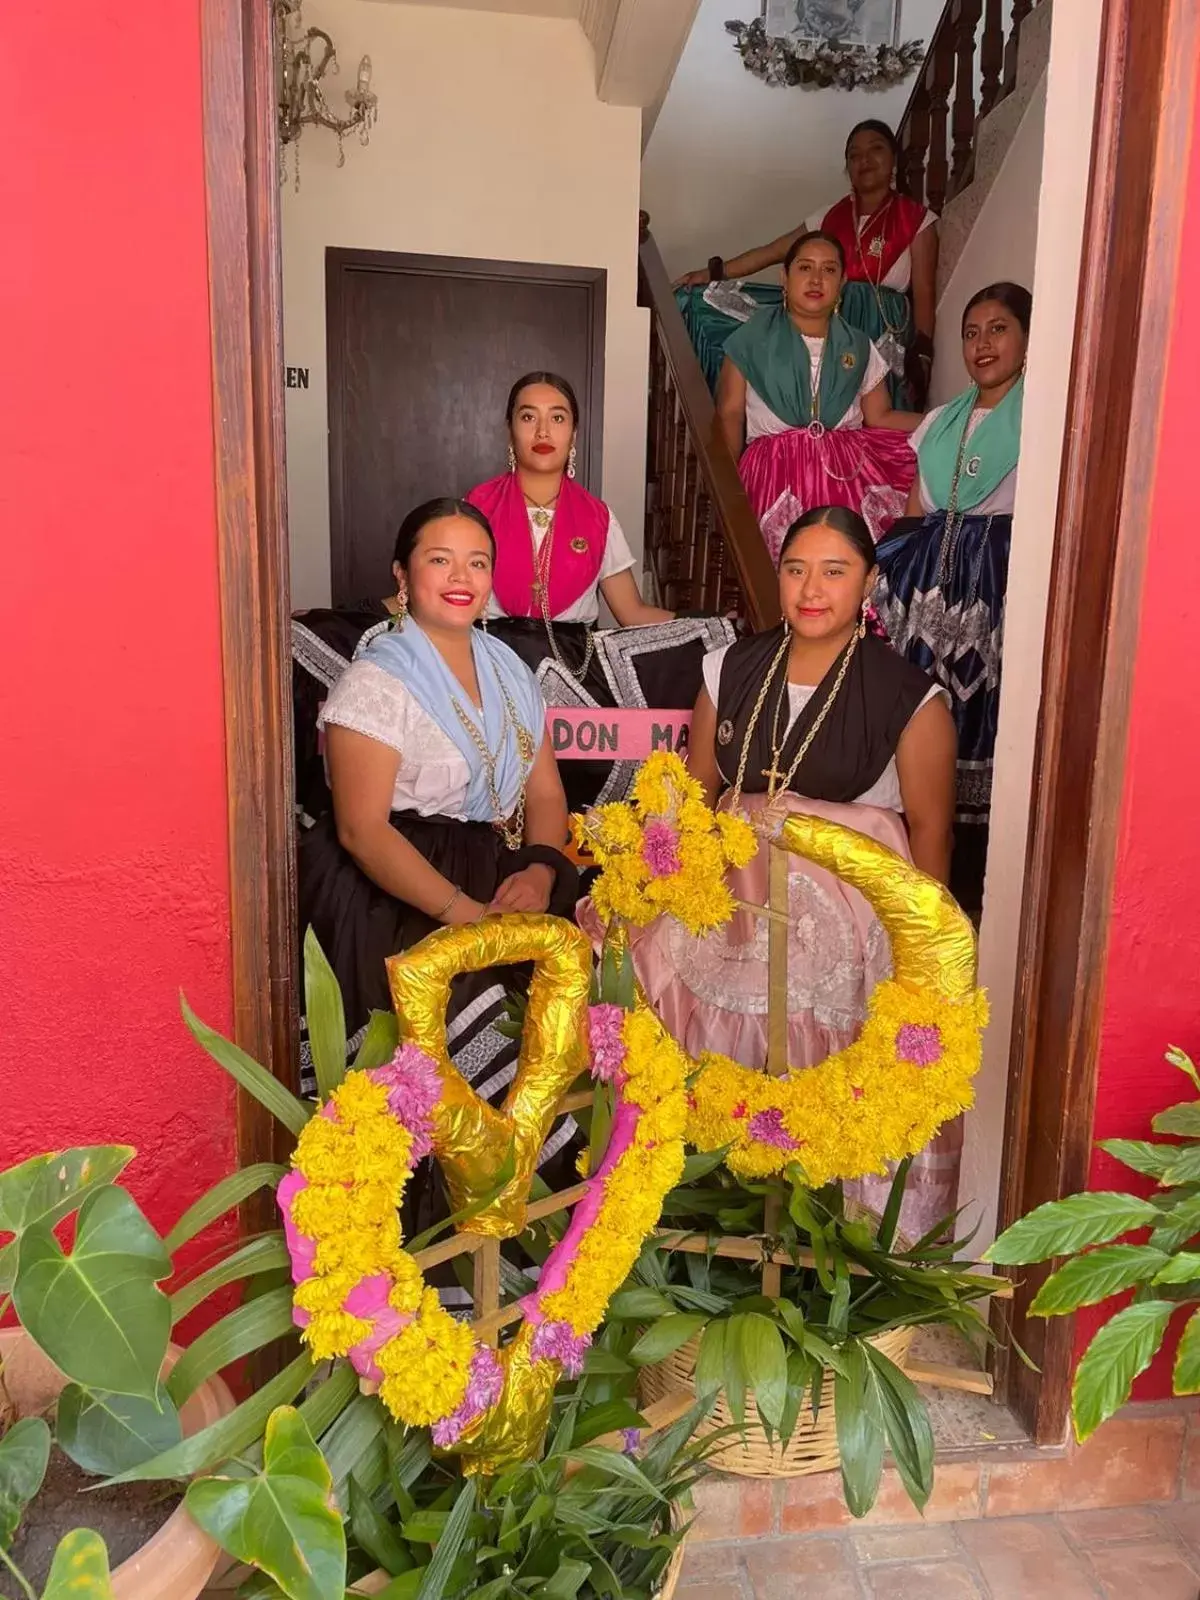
(97, 1311)
(710, 1363)
(326, 1017)
(1061, 1227)
(245, 1071)
(375, 1536)
(266, 1254)
(905, 1425)
(605, 1417)
(1093, 1276)
(24, 1456)
(222, 1197)
(350, 1436)
(860, 1433)
(282, 1521)
(666, 1335)
(380, 1041)
(1186, 1377)
(1124, 1347)
(45, 1189)
(765, 1362)
(247, 1328)
(108, 1433)
(436, 1575)
(80, 1569)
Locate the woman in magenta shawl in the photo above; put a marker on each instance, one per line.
(559, 550)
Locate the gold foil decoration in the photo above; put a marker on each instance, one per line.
(472, 1139)
(933, 942)
(515, 1428)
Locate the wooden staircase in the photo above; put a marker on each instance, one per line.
(704, 550)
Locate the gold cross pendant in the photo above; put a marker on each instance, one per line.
(773, 775)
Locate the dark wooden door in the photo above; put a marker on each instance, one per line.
(422, 353)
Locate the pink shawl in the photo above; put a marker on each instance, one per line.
(580, 531)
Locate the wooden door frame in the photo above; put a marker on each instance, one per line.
(338, 259)
(1140, 145)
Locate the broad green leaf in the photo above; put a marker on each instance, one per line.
(666, 1335)
(97, 1312)
(266, 1254)
(247, 1328)
(379, 1042)
(80, 1569)
(1183, 1268)
(48, 1188)
(859, 1431)
(1180, 1220)
(375, 1535)
(606, 1417)
(765, 1362)
(634, 1305)
(1180, 1058)
(255, 1079)
(604, 1364)
(1182, 1119)
(1142, 1155)
(230, 1435)
(701, 1162)
(566, 1582)
(1186, 1166)
(1061, 1227)
(436, 1575)
(222, 1197)
(905, 1425)
(282, 1521)
(1186, 1377)
(1093, 1276)
(802, 1372)
(109, 1433)
(24, 1455)
(612, 1464)
(1124, 1347)
(710, 1363)
(325, 1016)
(734, 1379)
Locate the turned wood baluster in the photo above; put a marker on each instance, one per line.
(914, 146)
(1020, 10)
(991, 55)
(939, 79)
(964, 17)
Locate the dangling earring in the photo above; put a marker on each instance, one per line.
(864, 617)
(512, 459)
(571, 463)
(401, 610)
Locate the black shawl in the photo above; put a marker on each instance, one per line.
(858, 737)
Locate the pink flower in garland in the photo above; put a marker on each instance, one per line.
(660, 849)
(485, 1381)
(605, 1025)
(555, 1341)
(767, 1127)
(414, 1088)
(919, 1044)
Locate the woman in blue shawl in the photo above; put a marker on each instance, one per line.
(944, 567)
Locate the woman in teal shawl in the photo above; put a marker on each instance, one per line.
(944, 568)
(804, 404)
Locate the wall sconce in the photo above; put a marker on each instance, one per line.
(303, 57)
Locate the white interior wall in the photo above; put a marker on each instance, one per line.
(490, 143)
(733, 162)
(1069, 113)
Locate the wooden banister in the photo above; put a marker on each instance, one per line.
(703, 543)
(939, 129)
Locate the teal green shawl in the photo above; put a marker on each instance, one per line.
(991, 451)
(773, 358)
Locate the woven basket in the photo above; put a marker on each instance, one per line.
(670, 1578)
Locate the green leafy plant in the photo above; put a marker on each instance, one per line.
(847, 1280)
(1162, 1272)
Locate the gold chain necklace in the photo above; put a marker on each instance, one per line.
(875, 282)
(541, 589)
(512, 832)
(774, 773)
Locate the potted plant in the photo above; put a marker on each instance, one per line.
(1161, 1269)
(807, 1367)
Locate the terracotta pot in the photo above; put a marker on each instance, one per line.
(176, 1562)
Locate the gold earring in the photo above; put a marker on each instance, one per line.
(512, 459)
(571, 463)
(401, 610)
(864, 618)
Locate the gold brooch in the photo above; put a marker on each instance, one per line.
(579, 546)
(725, 732)
(849, 360)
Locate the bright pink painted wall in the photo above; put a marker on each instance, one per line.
(1152, 997)
(113, 851)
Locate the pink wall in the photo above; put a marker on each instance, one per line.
(1153, 978)
(113, 865)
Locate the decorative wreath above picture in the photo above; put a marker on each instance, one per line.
(821, 63)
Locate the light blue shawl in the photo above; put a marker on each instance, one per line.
(407, 654)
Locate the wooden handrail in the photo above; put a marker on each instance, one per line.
(703, 542)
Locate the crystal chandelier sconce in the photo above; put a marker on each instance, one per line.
(304, 57)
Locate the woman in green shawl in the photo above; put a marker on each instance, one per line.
(944, 567)
(804, 404)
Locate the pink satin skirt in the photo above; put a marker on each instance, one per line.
(711, 992)
(870, 470)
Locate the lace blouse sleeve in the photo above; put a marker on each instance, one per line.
(369, 701)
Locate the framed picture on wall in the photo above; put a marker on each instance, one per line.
(862, 23)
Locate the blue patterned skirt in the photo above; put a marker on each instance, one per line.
(941, 597)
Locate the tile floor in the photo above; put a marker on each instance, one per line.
(1135, 1553)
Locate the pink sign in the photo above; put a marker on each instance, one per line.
(617, 735)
